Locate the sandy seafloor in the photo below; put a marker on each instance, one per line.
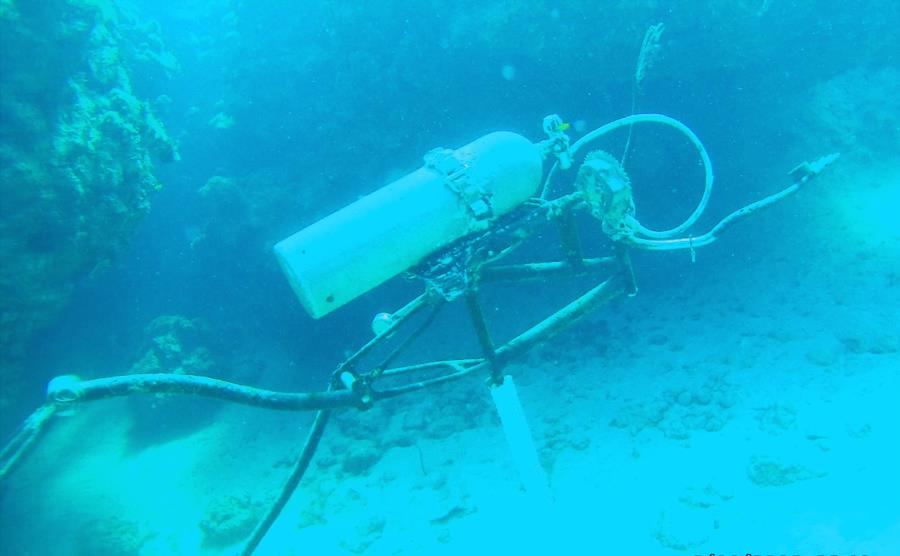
(757, 412)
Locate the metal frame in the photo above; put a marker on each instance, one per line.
(455, 272)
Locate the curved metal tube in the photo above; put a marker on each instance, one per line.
(807, 171)
(653, 119)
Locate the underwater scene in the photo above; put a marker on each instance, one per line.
(412, 277)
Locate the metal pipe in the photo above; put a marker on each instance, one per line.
(397, 318)
(540, 271)
(425, 383)
(562, 318)
(568, 236)
(483, 334)
(452, 363)
(160, 383)
(20, 444)
(409, 339)
(290, 485)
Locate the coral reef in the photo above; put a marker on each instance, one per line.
(77, 152)
(262, 207)
(849, 113)
(680, 413)
(229, 519)
(766, 473)
(177, 345)
(112, 536)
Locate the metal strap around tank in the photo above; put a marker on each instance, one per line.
(475, 197)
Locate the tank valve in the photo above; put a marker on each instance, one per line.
(557, 142)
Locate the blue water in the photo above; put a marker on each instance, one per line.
(307, 107)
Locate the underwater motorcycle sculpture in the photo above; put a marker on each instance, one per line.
(450, 224)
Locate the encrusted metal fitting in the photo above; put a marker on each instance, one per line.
(65, 389)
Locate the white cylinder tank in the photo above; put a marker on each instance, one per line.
(366, 243)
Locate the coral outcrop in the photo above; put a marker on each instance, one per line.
(173, 345)
(77, 152)
(850, 113)
(176, 345)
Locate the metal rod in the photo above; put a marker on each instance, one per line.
(452, 363)
(397, 318)
(409, 339)
(483, 334)
(559, 320)
(568, 236)
(624, 258)
(425, 383)
(480, 325)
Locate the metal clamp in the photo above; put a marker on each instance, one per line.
(475, 197)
